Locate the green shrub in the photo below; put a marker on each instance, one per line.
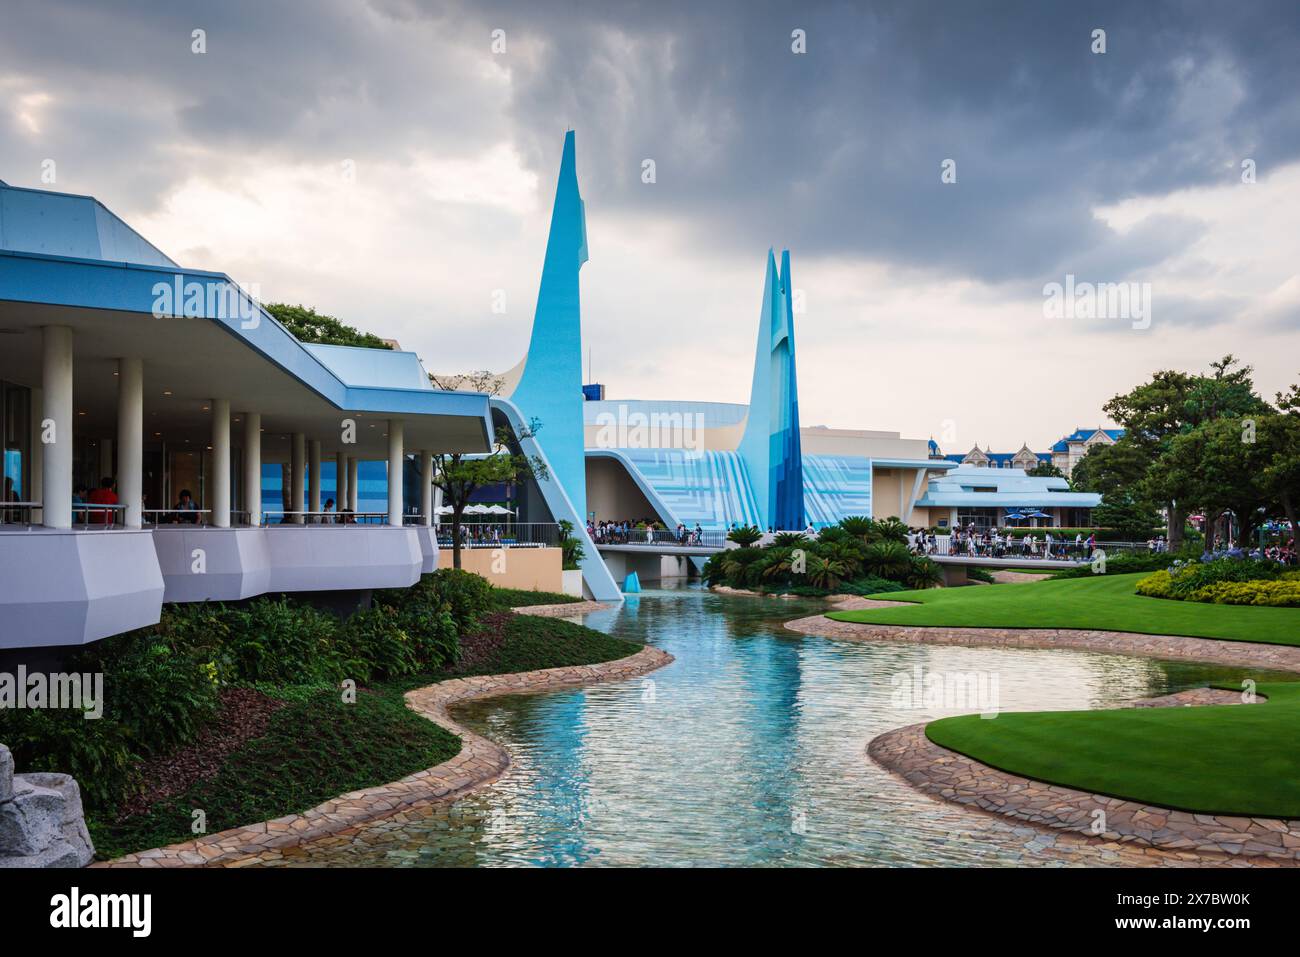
(887, 560)
(922, 573)
(1193, 576)
(161, 690)
(374, 644)
(1124, 564)
(571, 551)
(745, 535)
(1155, 585)
(1275, 593)
(503, 598)
(467, 596)
(97, 753)
(870, 586)
(281, 641)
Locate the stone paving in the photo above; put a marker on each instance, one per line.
(565, 609)
(479, 762)
(953, 777)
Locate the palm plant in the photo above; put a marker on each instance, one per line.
(745, 535)
(922, 572)
(848, 552)
(890, 530)
(887, 560)
(859, 526)
(825, 572)
(788, 539)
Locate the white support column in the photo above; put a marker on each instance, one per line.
(37, 412)
(130, 439)
(221, 463)
(426, 486)
(395, 459)
(56, 426)
(340, 482)
(352, 483)
(253, 466)
(299, 466)
(313, 477)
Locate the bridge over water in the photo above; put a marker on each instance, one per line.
(642, 552)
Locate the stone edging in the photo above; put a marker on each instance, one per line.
(479, 762)
(564, 609)
(953, 777)
(1213, 650)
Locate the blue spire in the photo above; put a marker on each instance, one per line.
(550, 389)
(770, 446)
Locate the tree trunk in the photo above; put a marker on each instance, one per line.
(455, 539)
(1176, 520)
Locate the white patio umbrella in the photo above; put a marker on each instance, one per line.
(477, 510)
(500, 510)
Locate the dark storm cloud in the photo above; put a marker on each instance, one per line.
(833, 152)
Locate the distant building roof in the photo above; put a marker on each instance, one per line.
(1011, 487)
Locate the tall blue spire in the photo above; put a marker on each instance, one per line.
(770, 446)
(550, 389)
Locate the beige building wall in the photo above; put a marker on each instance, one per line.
(889, 490)
(535, 569)
(612, 494)
(869, 444)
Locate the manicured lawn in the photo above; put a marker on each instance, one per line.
(317, 747)
(1226, 759)
(1100, 602)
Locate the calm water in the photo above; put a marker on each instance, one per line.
(748, 750)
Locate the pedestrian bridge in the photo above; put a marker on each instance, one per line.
(644, 555)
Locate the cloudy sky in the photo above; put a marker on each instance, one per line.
(382, 162)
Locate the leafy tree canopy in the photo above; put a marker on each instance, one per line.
(308, 325)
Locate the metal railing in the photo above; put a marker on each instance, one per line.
(501, 535)
(652, 537)
(84, 514)
(175, 516)
(275, 517)
(1022, 549)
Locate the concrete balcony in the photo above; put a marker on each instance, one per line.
(202, 563)
(75, 586)
(342, 557)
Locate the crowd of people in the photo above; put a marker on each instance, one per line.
(992, 543)
(643, 531)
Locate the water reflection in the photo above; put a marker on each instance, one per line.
(748, 750)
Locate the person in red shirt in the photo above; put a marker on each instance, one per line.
(104, 495)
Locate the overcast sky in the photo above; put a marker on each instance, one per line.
(380, 162)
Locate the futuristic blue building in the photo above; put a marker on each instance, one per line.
(770, 446)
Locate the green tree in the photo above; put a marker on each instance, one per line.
(1111, 469)
(308, 325)
(459, 476)
(1175, 403)
(1218, 466)
(1132, 518)
(1280, 436)
(1045, 470)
